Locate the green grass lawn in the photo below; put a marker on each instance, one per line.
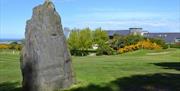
(142, 70)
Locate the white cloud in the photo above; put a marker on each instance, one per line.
(147, 24)
(116, 19)
(126, 15)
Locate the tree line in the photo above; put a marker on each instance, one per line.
(81, 42)
(12, 46)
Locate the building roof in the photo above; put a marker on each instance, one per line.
(168, 37)
(121, 32)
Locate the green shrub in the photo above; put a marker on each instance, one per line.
(176, 45)
(160, 42)
(79, 52)
(80, 41)
(105, 49)
(120, 41)
(133, 39)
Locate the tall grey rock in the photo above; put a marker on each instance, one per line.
(45, 61)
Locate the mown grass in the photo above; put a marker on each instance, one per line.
(133, 71)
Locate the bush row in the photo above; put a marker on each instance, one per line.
(11, 46)
(177, 45)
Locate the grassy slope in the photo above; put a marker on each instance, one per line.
(134, 71)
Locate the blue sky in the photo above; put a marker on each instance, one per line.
(152, 15)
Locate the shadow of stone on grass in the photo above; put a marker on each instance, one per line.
(10, 86)
(150, 82)
(169, 65)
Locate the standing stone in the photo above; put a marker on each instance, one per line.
(45, 61)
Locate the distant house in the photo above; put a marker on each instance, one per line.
(66, 31)
(120, 32)
(169, 38)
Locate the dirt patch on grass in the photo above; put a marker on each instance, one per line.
(159, 53)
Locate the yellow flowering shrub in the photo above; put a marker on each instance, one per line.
(4, 46)
(145, 44)
(9, 46)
